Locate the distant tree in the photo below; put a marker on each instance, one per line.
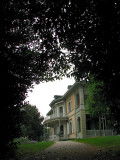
(32, 123)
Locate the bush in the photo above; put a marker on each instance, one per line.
(22, 140)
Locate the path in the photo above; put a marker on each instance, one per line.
(67, 150)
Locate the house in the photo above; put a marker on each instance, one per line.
(68, 117)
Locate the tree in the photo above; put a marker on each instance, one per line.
(89, 30)
(96, 102)
(22, 63)
(32, 123)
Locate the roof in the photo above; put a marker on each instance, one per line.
(50, 112)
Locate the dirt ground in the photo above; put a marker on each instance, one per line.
(67, 150)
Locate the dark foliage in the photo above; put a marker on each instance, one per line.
(90, 30)
(23, 60)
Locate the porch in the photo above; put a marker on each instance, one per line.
(55, 127)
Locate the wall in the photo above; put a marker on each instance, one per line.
(73, 130)
(71, 97)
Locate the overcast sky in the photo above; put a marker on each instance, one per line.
(43, 93)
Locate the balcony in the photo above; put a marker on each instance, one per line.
(56, 116)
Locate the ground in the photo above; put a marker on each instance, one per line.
(97, 148)
(67, 150)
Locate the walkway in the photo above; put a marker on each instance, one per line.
(67, 150)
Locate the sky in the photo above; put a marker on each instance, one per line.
(43, 93)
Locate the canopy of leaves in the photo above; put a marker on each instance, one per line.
(24, 59)
(89, 30)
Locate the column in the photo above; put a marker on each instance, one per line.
(81, 96)
(57, 111)
(74, 100)
(64, 109)
(59, 126)
(82, 112)
(65, 129)
(83, 123)
(75, 115)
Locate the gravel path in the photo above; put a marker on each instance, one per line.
(67, 150)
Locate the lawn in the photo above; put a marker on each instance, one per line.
(110, 142)
(25, 150)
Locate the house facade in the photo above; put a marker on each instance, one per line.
(68, 117)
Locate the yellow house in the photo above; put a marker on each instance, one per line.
(67, 117)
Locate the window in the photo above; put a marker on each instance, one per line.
(69, 106)
(70, 127)
(61, 109)
(77, 101)
(61, 129)
(78, 124)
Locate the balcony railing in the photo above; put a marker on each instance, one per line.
(58, 115)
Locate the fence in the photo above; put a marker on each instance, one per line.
(94, 133)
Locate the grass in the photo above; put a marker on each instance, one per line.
(25, 150)
(109, 142)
